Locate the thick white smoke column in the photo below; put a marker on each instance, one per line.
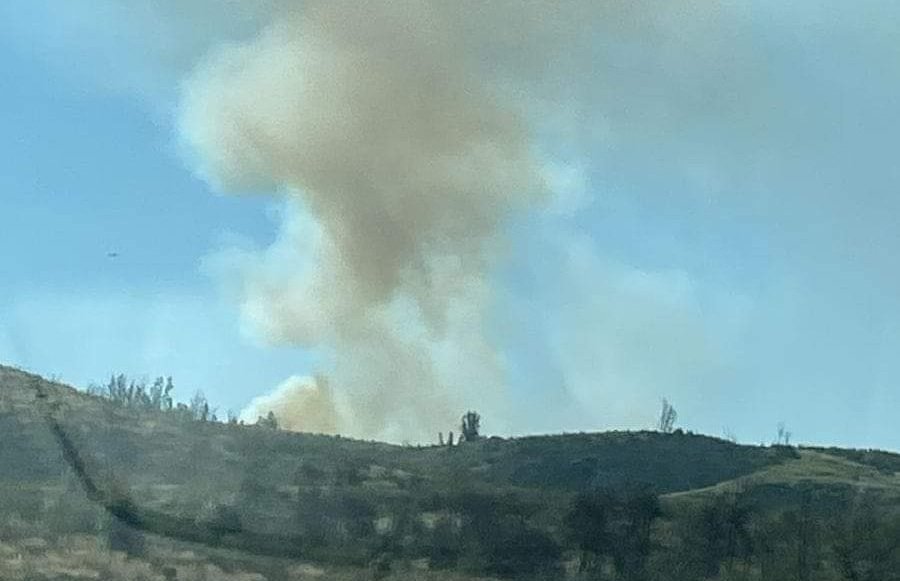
(399, 166)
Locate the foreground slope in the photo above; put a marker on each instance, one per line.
(348, 506)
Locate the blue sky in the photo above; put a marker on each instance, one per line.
(726, 235)
(87, 171)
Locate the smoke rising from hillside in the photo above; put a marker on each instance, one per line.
(301, 403)
(399, 166)
(402, 137)
(728, 166)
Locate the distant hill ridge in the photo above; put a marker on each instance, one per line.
(147, 444)
(146, 448)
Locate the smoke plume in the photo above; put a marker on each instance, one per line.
(300, 403)
(728, 167)
(398, 166)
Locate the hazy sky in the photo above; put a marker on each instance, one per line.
(723, 233)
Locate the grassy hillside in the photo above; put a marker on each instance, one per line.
(157, 448)
(353, 509)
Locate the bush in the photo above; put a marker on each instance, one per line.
(513, 551)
